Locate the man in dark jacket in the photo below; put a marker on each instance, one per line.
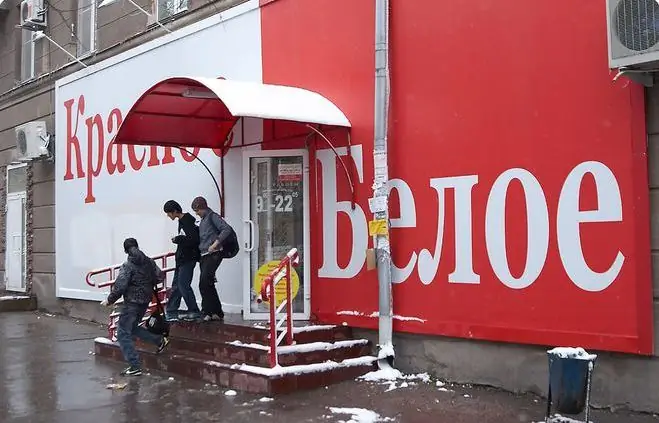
(217, 240)
(187, 256)
(136, 281)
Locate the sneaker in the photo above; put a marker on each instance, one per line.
(163, 344)
(132, 371)
(190, 317)
(217, 316)
(170, 318)
(207, 318)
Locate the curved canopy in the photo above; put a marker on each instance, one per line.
(200, 112)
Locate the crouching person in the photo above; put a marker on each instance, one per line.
(136, 281)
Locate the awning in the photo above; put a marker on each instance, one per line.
(201, 112)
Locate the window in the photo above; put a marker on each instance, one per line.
(27, 54)
(86, 28)
(168, 8)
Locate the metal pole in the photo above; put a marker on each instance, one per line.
(149, 15)
(380, 206)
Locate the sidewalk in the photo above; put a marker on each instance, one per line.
(49, 375)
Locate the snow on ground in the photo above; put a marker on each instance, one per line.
(231, 393)
(557, 418)
(393, 377)
(360, 415)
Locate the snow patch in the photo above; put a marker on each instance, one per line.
(14, 297)
(266, 399)
(312, 328)
(313, 346)
(102, 340)
(349, 313)
(296, 370)
(577, 353)
(557, 418)
(360, 415)
(391, 376)
(231, 393)
(376, 314)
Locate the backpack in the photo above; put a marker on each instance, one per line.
(231, 246)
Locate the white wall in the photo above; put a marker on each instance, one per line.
(90, 235)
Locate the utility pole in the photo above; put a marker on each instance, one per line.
(379, 204)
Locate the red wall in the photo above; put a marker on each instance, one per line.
(479, 88)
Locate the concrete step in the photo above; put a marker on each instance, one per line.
(17, 302)
(259, 354)
(247, 378)
(255, 334)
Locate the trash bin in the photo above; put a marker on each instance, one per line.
(570, 372)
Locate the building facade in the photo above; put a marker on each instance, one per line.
(522, 181)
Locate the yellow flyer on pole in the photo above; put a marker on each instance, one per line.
(377, 227)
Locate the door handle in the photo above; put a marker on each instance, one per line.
(250, 248)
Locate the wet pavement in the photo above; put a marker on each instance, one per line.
(48, 374)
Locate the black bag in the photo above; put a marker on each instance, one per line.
(231, 246)
(156, 323)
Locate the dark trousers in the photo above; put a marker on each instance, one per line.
(210, 300)
(129, 319)
(182, 289)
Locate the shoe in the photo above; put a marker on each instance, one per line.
(217, 316)
(170, 318)
(163, 344)
(190, 317)
(207, 318)
(132, 371)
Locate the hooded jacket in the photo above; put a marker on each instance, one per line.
(187, 244)
(136, 280)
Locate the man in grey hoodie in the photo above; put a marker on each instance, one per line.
(136, 281)
(217, 241)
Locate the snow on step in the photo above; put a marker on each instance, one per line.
(312, 328)
(301, 348)
(105, 341)
(279, 371)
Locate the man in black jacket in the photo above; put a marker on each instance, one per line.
(136, 281)
(187, 255)
(217, 241)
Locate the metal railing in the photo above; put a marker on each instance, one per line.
(269, 294)
(113, 272)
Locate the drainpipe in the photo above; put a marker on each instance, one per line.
(380, 206)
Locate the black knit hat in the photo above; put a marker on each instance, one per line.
(130, 243)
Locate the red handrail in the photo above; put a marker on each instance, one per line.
(112, 270)
(269, 294)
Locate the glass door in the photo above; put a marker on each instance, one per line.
(276, 217)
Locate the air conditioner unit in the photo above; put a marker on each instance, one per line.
(33, 15)
(32, 141)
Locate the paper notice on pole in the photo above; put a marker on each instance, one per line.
(377, 204)
(378, 227)
(380, 160)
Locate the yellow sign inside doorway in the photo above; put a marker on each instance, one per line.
(280, 289)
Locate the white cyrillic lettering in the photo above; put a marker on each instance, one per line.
(407, 219)
(331, 209)
(429, 262)
(537, 228)
(569, 217)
